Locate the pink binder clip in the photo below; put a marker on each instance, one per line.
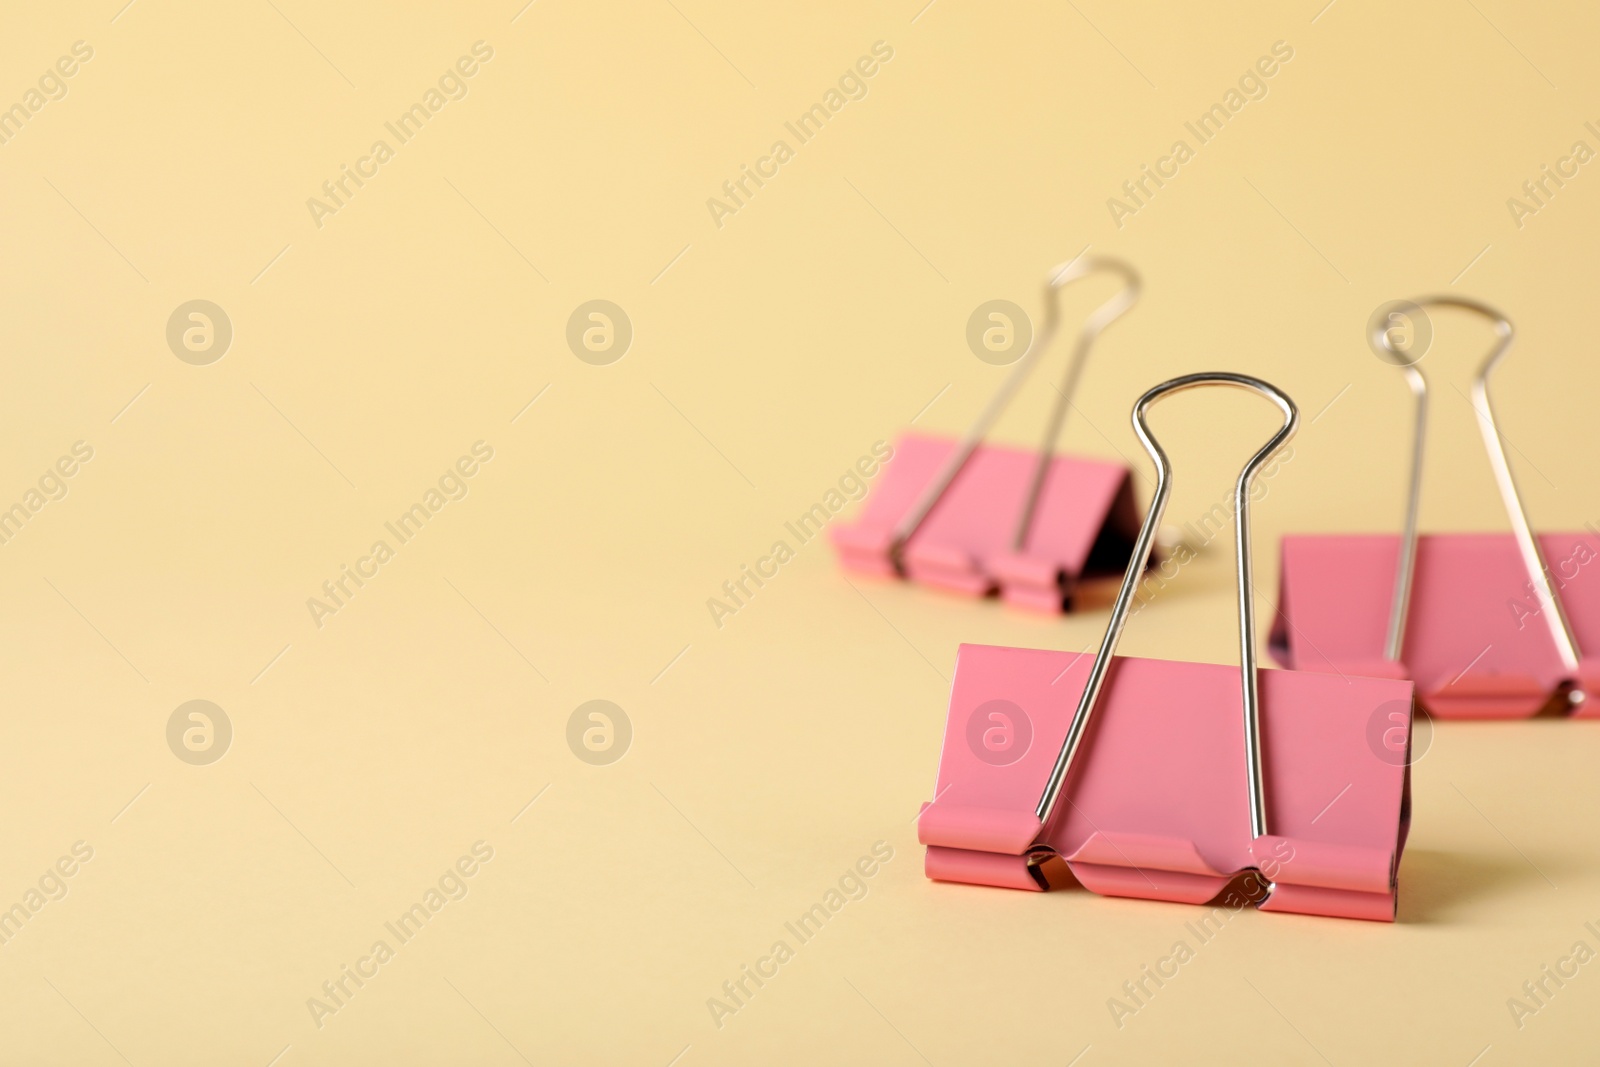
(1480, 622)
(1172, 799)
(977, 519)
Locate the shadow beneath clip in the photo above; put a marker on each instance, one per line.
(1439, 886)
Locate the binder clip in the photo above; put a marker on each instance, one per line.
(977, 519)
(1156, 786)
(1480, 621)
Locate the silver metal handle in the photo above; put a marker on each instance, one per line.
(1141, 555)
(1093, 326)
(1532, 558)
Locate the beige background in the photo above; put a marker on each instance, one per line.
(768, 355)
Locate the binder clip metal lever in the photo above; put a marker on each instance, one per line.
(1481, 622)
(1168, 780)
(975, 518)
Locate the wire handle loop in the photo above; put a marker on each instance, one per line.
(1093, 326)
(1383, 344)
(1141, 556)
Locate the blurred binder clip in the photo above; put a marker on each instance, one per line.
(1479, 621)
(1156, 786)
(977, 519)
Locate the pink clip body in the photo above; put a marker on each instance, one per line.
(1157, 807)
(1083, 524)
(1476, 643)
